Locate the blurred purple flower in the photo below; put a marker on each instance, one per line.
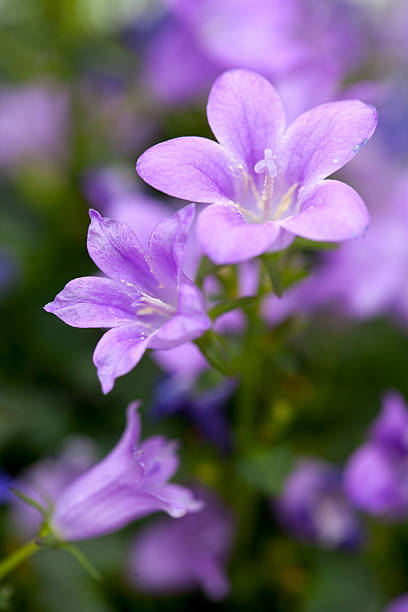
(129, 483)
(33, 123)
(176, 556)
(264, 184)
(145, 298)
(376, 476)
(313, 507)
(398, 605)
(199, 40)
(206, 409)
(47, 479)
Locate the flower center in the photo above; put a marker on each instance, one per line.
(273, 202)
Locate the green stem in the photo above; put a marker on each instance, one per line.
(17, 557)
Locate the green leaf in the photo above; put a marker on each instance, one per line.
(212, 349)
(266, 469)
(227, 305)
(271, 263)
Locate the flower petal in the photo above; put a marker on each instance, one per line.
(117, 352)
(174, 499)
(168, 245)
(93, 301)
(246, 115)
(115, 249)
(190, 168)
(323, 139)
(331, 211)
(227, 238)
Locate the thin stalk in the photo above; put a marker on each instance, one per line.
(17, 557)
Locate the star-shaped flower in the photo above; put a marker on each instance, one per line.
(144, 297)
(265, 185)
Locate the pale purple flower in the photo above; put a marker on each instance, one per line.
(376, 475)
(131, 482)
(144, 296)
(176, 556)
(33, 123)
(313, 507)
(47, 479)
(398, 605)
(265, 185)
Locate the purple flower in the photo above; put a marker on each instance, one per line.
(129, 483)
(398, 605)
(144, 298)
(375, 476)
(313, 508)
(173, 556)
(264, 185)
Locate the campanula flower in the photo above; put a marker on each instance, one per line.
(131, 482)
(175, 556)
(398, 605)
(313, 507)
(265, 185)
(144, 297)
(376, 475)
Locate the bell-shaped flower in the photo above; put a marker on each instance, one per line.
(145, 298)
(131, 482)
(265, 185)
(376, 475)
